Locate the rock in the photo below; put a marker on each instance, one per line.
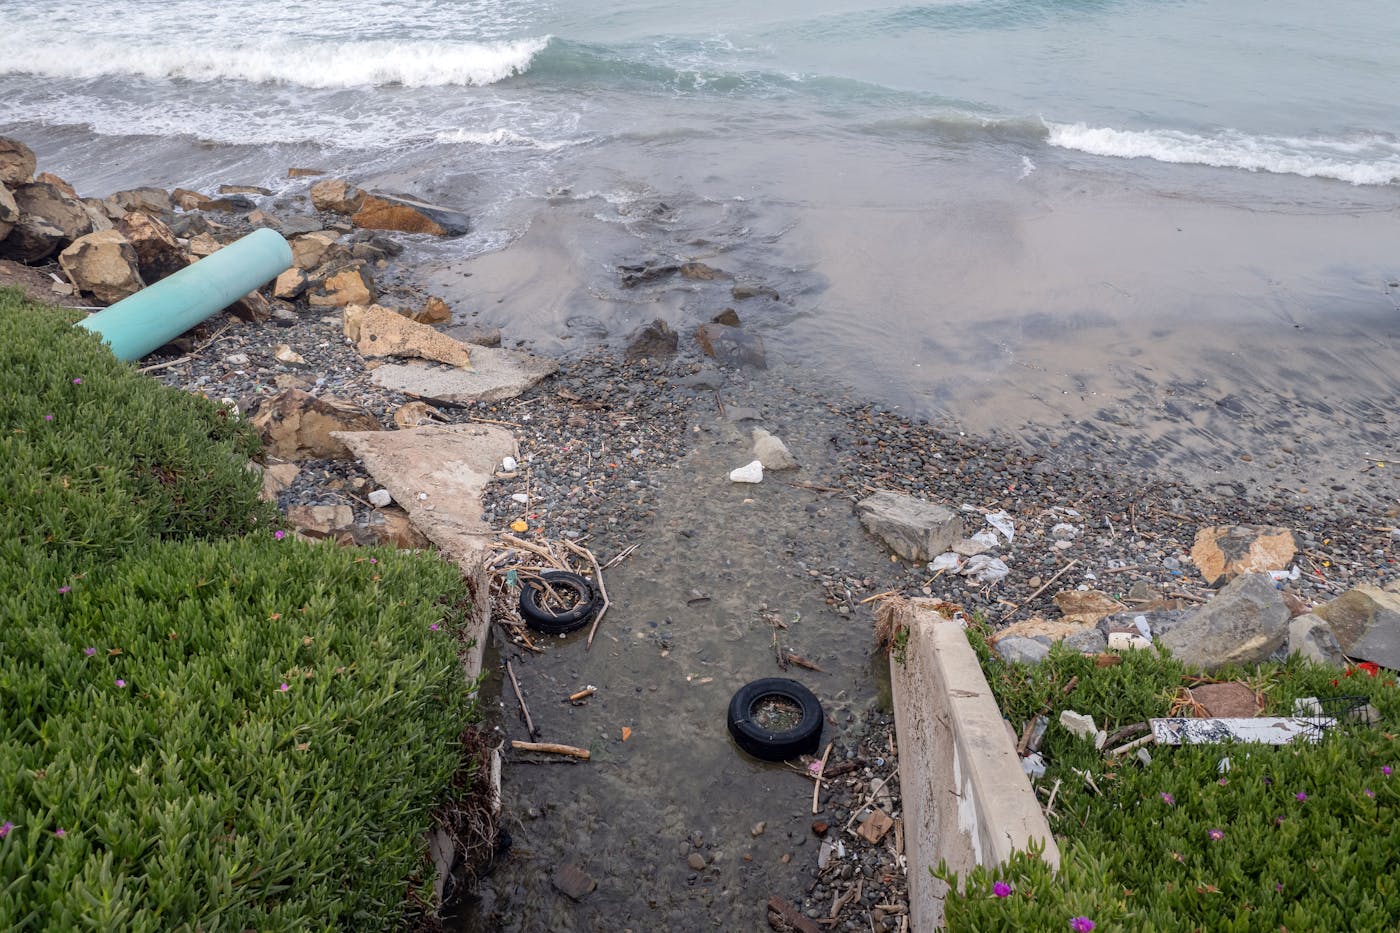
(758, 829)
(48, 178)
(278, 477)
(748, 473)
(17, 163)
(434, 311)
(1366, 622)
(103, 265)
(321, 521)
(296, 425)
(772, 452)
(494, 375)
(1311, 636)
(634, 275)
(231, 204)
(313, 250)
(413, 414)
(914, 529)
(290, 284)
(393, 527)
(245, 189)
(1080, 725)
(381, 332)
(654, 341)
(478, 336)
(305, 172)
(1020, 650)
(1087, 641)
(1086, 606)
(573, 881)
(1245, 623)
(158, 252)
(701, 272)
(203, 245)
(1231, 700)
(48, 221)
(731, 345)
(1158, 621)
(149, 200)
(381, 211)
(341, 285)
(742, 292)
(188, 200)
(9, 212)
(335, 196)
(1223, 552)
(1042, 629)
(252, 307)
(298, 225)
(380, 498)
(696, 861)
(729, 317)
(32, 240)
(285, 354)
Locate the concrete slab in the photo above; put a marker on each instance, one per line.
(494, 374)
(965, 796)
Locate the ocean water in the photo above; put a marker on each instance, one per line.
(939, 187)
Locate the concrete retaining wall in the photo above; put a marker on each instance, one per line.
(966, 799)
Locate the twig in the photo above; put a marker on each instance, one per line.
(602, 587)
(1126, 569)
(552, 749)
(532, 548)
(1059, 573)
(817, 788)
(1190, 597)
(583, 694)
(529, 723)
(626, 553)
(1136, 743)
(191, 355)
(815, 488)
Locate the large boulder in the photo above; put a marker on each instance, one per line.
(53, 219)
(381, 211)
(342, 284)
(379, 331)
(158, 251)
(31, 240)
(103, 265)
(654, 341)
(1312, 637)
(296, 425)
(1245, 623)
(1223, 552)
(1366, 621)
(915, 529)
(9, 212)
(17, 163)
(334, 196)
(149, 200)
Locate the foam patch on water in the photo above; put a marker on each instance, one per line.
(306, 63)
(503, 138)
(1374, 160)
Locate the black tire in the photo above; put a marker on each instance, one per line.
(801, 739)
(541, 619)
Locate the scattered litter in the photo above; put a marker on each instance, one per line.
(1002, 522)
(1033, 765)
(748, 473)
(1140, 622)
(1265, 730)
(873, 829)
(948, 561)
(519, 497)
(1224, 766)
(1125, 641)
(1280, 575)
(986, 538)
(984, 568)
(1082, 725)
(1064, 532)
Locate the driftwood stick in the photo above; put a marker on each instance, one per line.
(529, 723)
(817, 788)
(531, 547)
(1045, 586)
(552, 749)
(623, 555)
(602, 588)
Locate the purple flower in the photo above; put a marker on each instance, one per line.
(1081, 924)
(77, 380)
(60, 832)
(1300, 796)
(65, 589)
(120, 682)
(89, 651)
(1385, 769)
(5, 828)
(1001, 889)
(1370, 793)
(1168, 799)
(1215, 834)
(1278, 886)
(1222, 782)
(433, 627)
(284, 687)
(374, 560)
(48, 417)
(279, 534)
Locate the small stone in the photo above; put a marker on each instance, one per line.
(696, 861)
(380, 498)
(509, 465)
(758, 828)
(748, 473)
(820, 827)
(574, 881)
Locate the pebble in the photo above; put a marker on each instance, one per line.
(696, 861)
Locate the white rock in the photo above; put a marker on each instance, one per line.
(380, 498)
(1064, 531)
(1078, 724)
(236, 359)
(287, 355)
(519, 497)
(748, 473)
(509, 465)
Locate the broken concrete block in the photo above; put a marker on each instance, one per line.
(915, 529)
(379, 331)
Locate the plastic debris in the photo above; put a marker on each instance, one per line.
(748, 473)
(948, 561)
(519, 525)
(1002, 522)
(985, 568)
(1280, 575)
(1124, 641)
(519, 497)
(986, 538)
(1033, 765)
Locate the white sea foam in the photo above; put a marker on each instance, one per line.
(1028, 167)
(1364, 160)
(503, 138)
(307, 63)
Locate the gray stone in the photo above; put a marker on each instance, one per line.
(1019, 650)
(914, 529)
(1245, 623)
(494, 374)
(1366, 621)
(737, 413)
(49, 220)
(574, 881)
(149, 200)
(1312, 637)
(741, 292)
(655, 341)
(1089, 641)
(773, 453)
(1159, 621)
(732, 345)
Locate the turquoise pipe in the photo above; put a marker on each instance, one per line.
(157, 315)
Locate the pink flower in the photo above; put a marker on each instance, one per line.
(5, 828)
(1385, 769)
(48, 417)
(1215, 834)
(120, 682)
(1168, 799)
(1222, 782)
(1081, 924)
(1278, 886)
(65, 589)
(1370, 793)
(279, 534)
(77, 380)
(374, 560)
(284, 687)
(89, 651)
(60, 832)
(1300, 796)
(1001, 889)
(433, 627)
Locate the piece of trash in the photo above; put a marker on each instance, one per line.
(626, 733)
(512, 578)
(815, 769)
(1263, 730)
(824, 856)
(1144, 757)
(519, 525)
(748, 473)
(509, 465)
(1143, 628)
(1035, 733)
(1033, 765)
(948, 561)
(1224, 766)
(988, 538)
(1002, 522)
(519, 497)
(1124, 641)
(1307, 706)
(1290, 574)
(985, 568)
(874, 829)
(1078, 724)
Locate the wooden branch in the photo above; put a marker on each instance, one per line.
(602, 588)
(552, 749)
(817, 788)
(1059, 573)
(529, 723)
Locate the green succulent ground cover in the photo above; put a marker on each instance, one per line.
(204, 724)
(1297, 837)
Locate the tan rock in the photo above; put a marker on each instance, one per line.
(378, 331)
(313, 250)
(49, 178)
(434, 311)
(283, 353)
(290, 284)
(336, 196)
(277, 477)
(150, 200)
(158, 252)
(1366, 621)
(252, 307)
(244, 189)
(394, 528)
(305, 172)
(103, 265)
(97, 213)
(321, 521)
(701, 272)
(188, 200)
(202, 245)
(1054, 629)
(1086, 606)
(296, 425)
(45, 207)
(413, 414)
(391, 212)
(348, 284)
(9, 212)
(1231, 700)
(1223, 552)
(17, 162)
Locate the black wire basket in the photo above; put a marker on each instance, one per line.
(1327, 714)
